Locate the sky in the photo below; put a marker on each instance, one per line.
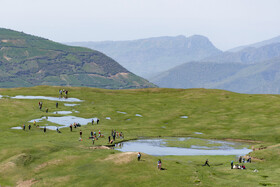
(227, 23)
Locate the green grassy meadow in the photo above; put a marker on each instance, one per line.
(59, 159)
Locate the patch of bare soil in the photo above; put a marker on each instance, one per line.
(8, 165)
(99, 147)
(26, 183)
(242, 140)
(122, 158)
(52, 162)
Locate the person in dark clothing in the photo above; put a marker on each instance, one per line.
(114, 136)
(91, 134)
(240, 159)
(97, 121)
(81, 133)
(29, 126)
(109, 138)
(231, 164)
(138, 156)
(23, 127)
(56, 105)
(45, 129)
(206, 163)
(71, 127)
(47, 110)
(92, 121)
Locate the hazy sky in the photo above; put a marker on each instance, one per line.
(227, 23)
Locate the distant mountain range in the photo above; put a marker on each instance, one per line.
(148, 57)
(257, 45)
(251, 70)
(195, 62)
(27, 60)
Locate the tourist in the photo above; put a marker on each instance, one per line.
(47, 110)
(243, 166)
(99, 133)
(23, 127)
(34, 123)
(231, 164)
(93, 141)
(81, 133)
(249, 160)
(139, 156)
(94, 133)
(159, 164)
(92, 121)
(29, 126)
(206, 163)
(56, 105)
(45, 129)
(109, 139)
(71, 127)
(97, 121)
(91, 134)
(240, 159)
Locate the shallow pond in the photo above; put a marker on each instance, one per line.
(62, 112)
(121, 112)
(47, 98)
(159, 147)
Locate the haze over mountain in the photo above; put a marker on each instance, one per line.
(251, 70)
(147, 57)
(27, 60)
(257, 45)
(248, 55)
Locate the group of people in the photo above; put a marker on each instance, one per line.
(63, 91)
(243, 160)
(115, 135)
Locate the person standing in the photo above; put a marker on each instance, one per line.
(231, 164)
(91, 134)
(29, 126)
(47, 110)
(81, 133)
(45, 129)
(92, 121)
(159, 164)
(109, 138)
(240, 159)
(139, 156)
(23, 127)
(56, 105)
(97, 121)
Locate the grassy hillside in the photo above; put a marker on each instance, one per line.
(32, 157)
(27, 60)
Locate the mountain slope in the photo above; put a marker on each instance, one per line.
(257, 45)
(248, 55)
(27, 60)
(261, 78)
(147, 57)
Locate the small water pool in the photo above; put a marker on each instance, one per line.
(47, 98)
(159, 147)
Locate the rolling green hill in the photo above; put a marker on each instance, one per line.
(27, 60)
(60, 159)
